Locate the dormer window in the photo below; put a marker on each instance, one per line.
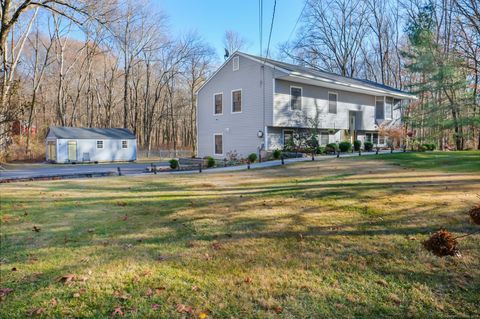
(236, 63)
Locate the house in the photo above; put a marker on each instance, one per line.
(252, 104)
(78, 144)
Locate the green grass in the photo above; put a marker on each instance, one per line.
(338, 238)
(460, 161)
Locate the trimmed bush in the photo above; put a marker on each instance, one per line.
(331, 148)
(345, 146)
(320, 150)
(252, 157)
(368, 146)
(276, 154)
(210, 161)
(356, 145)
(173, 163)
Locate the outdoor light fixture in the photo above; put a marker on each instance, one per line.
(260, 133)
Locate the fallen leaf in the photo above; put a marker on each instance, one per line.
(76, 295)
(184, 309)
(53, 302)
(67, 278)
(203, 314)
(35, 311)
(155, 306)
(117, 312)
(278, 309)
(5, 291)
(217, 246)
(248, 280)
(125, 217)
(159, 290)
(121, 295)
(195, 288)
(36, 229)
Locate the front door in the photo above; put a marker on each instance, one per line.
(352, 127)
(52, 151)
(72, 151)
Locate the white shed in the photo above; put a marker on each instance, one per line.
(78, 144)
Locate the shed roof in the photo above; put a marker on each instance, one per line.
(89, 133)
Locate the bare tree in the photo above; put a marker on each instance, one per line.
(233, 41)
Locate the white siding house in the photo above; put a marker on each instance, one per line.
(77, 145)
(252, 104)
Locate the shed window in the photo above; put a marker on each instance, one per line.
(332, 103)
(124, 144)
(218, 140)
(218, 101)
(237, 101)
(99, 144)
(296, 98)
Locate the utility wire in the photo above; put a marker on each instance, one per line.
(298, 20)
(260, 24)
(271, 28)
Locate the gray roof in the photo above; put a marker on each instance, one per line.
(327, 75)
(90, 133)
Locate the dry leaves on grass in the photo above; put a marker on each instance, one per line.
(117, 312)
(67, 279)
(475, 214)
(441, 244)
(184, 308)
(35, 311)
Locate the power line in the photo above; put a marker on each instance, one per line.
(298, 20)
(260, 24)
(271, 28)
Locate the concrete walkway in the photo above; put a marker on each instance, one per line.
(277, 163)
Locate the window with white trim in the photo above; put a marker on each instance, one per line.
(380, 108)
(295, 98)
(332, 103)
(218, 141)
(388, 108)
(236, 63)
(324, 138)
(218, 101)
(99, 144)
(124, 144)
(237, 101)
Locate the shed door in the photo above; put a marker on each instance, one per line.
(72, 151)
(52, 150)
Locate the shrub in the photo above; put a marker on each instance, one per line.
(442, 243)
(320, 150)
(432, 147)
(331, 148)
(252, 157)
(368, 146)
(210, 161)
(276, 154)
(356, 145)
(475, 214)
(345, 146)
(421, 148)
(173, 163)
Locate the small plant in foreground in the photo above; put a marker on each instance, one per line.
(210, 161)
(356, 145)
(276, 154)
(345, 146)
(475, 214)
(331, 148)
(368, 146)
(252, 157)
(442, 243)
(173, 163)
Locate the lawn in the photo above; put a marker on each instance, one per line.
(338, 238)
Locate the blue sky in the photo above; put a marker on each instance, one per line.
(210, 18)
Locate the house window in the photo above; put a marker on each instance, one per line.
(324, 138)
(218, 140)
(381, 139)
(124, 144)
(332, 103)
(237, 101)
(218, 101)
(287, 137)
(236, 63)
(389, 108)
(99, 144)
(295, 98)
(372, 137)
(380, 108)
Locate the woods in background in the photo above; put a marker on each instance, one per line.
(117, 64)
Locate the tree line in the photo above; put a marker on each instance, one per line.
(107, 63)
